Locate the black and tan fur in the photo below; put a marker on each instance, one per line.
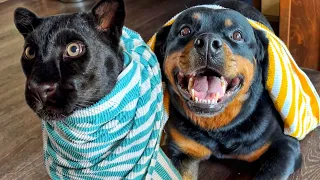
(247, 127)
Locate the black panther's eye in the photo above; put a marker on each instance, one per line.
(185, 31)
(29, 53)
(237, 36)
(75, 49)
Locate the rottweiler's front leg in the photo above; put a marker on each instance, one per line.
(280, 160)
(186, 154)
(186, 165)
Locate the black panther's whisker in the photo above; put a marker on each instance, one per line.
(37, 98)
(33, 105)
(85, 104)
(32, 27)
(81, 106)
(88, 98)
(93, 102)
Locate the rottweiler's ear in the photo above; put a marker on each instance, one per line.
(160, 44)
(261, 53)
(109, 16)
(262, 45)
(25, 21)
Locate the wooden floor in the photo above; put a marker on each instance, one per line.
(20, 131)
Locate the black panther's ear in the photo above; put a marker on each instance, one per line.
(262, 45)
(25, 21)
(160, 43)
(110, 15)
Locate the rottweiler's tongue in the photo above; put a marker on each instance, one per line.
(209, 87)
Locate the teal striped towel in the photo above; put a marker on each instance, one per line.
(119, 136)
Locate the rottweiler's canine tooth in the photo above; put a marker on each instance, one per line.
(192, 94)
(190, 84)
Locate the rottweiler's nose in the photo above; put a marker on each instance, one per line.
(208, 43)
(43, 90)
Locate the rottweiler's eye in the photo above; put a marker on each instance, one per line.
(237, 36)
(29, 53)
(75, 50)
(185, 31)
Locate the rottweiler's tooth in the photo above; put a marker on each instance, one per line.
(216, 100)
(217, 95)
(196, 99)
(213, 101)
(190, 84)
(209, 102)
(223, 83)
(192, 94)
(204, 101)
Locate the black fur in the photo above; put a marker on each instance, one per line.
(258, 122)
(80, 81)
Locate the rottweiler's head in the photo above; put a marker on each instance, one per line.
(212, 62)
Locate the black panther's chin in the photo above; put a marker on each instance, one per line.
(48, 113)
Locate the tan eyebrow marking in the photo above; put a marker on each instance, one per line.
(228, 22)
(196, 16)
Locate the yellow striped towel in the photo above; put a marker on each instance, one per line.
(289, 87)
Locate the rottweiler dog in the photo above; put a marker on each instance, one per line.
(214, 65)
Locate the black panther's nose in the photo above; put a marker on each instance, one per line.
(42, 90)
(208, 43)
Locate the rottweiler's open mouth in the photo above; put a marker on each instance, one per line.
(206, 86)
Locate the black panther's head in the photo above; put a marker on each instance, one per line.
(70, 60)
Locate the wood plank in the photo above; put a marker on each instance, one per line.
(299, 29)
(304, 35)
(285, 13)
